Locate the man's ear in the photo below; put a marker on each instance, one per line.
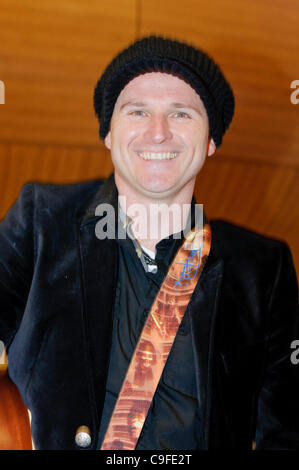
(211, 147)
(108, 140)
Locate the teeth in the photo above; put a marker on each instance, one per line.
(158, 156)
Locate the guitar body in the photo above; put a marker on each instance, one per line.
(14, 420)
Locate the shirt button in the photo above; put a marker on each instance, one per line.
(83, 436)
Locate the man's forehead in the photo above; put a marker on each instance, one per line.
(148, 87)
(158, 80)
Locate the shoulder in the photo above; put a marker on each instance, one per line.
(62, 195)
(255, 263)
(55, 196)
(55, 200)
(232, 234)
(241, 246)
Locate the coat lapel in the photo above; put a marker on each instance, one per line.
(99, 265)
(203, 311)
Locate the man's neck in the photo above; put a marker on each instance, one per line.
(155, 218)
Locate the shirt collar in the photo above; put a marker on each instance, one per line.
(166, 247)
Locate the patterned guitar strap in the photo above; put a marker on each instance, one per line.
(155, 341)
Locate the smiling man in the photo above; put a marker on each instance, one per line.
(177, 340)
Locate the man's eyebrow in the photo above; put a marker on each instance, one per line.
(187, 106)
(138, 104)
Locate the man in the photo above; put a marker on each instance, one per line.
(74, 304)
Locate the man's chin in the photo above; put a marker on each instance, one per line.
(153, 187)
(156, 188)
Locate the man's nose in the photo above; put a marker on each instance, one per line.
(158, 129)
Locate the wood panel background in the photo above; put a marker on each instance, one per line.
(52, 53)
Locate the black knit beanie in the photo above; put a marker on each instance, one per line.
(157, 54)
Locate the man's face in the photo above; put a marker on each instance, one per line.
(159, 135)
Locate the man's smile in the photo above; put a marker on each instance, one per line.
(158, 155)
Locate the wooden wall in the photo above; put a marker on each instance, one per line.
(52, 53)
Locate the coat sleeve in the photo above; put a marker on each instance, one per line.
(16, 262)
(278, 401)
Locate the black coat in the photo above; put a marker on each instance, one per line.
(57, 287)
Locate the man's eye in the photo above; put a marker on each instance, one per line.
(137, 112)
(181, 114)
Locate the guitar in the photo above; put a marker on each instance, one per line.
(14, 419)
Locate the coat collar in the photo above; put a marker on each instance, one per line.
(106, 194)
(99, 269)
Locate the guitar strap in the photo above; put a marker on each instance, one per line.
(155, 341)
